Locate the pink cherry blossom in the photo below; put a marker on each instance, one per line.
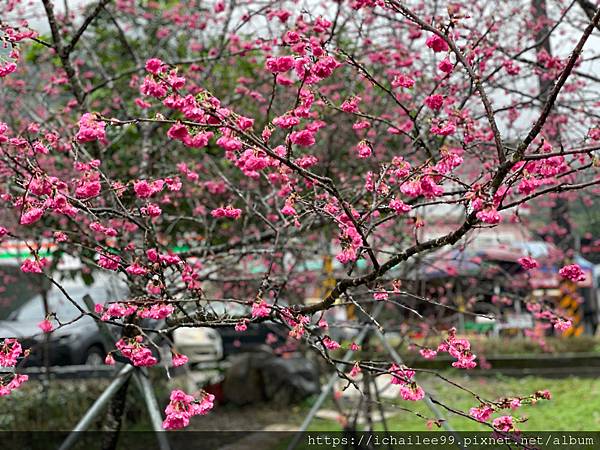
(7, 69)
(403, 81)
(31, 216)
(363, 149)
(136, 269)
(445, 65)
(15, 382)
(91, 129)
(155, 66)
(179, 360)
(399, 206)
(504, 423)
(10, 351)
(489, 216)
(260, 309)
(355, 370)
(109, 262)
(380, 295)
(34, 265)
(428, 353)
(528, 263)
(562, 325)
(436, 43)
(46, 326)
(229, 212)
(279, 64)
(330, 344)
(434, 102)
(145, 189)
(445, 130)
(157, 311)
(183, 406)
(304, 138)
(134, 350)
(286, 121)
(412, 392)
(572, 272)
(482, 413)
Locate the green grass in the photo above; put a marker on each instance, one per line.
(575, 404)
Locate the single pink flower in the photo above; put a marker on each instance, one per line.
(330, 344)
(434, 102)
(155, 66)
(179, 359)
(45, 325)
(504, 423)
(412, 392)
(528, 263)
(490, 216)
(436, 43)
(31, 216)
(304, 138)
(482, 413)
(445, 65)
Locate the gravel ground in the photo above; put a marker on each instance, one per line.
(247, 418)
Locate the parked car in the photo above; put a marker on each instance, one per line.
(262, 336)
(198, 344)
(77, 342)
(203, 344)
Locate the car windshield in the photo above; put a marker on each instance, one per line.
(33, 310)
(17, 288)
(32, 300)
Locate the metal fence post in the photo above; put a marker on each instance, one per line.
(96, 408)
(153, 409)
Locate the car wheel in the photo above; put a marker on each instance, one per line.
(94, 356)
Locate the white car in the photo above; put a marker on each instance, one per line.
(198, 344)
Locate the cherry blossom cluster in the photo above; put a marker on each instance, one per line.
(182, 407)
(10, 38)
(409, 389)
(136, 351)
(543, 312)
(10, 351)
(458, 348)
(572, 272)
(485, 410)
(11, 382)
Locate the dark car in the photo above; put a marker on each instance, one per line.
(78, 341)
(266, 336)
(262, 336)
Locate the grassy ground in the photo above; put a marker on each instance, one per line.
(575, 404)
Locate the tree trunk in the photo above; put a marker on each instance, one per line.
(114, 418)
